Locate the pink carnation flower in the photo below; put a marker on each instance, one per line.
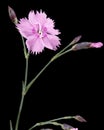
(39, 32)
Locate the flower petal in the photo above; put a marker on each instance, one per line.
(24, 27)
(41, 17)
(47, 43)
(54, 40)
(96, 45)
(74, 129)
(53, 31)
(37, 46)
(50, 27)
(49, 23)
(30, 41)
(32, 17)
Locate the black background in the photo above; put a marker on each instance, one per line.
(72, 84)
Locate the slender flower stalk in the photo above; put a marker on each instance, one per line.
(46, 123)
(19, 112)
(61, 54)
(62, 118)
(24, 47)
(53, 121)
(23, 90)
(11, 126)
(26, 70)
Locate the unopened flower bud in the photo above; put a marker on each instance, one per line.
(75, 40)
(12, 15)
(82, 45)
(66, 127)
(86, 45)
(79, 118)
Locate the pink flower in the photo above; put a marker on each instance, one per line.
(74, 129)
(96, 45)
(39, 32)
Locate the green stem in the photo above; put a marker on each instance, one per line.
(11, 126)
(24, 46)
(51, 122)
(19, 112)
(61, 54)
(46, 123)
(23, 92)
(61, 118)
(26, 70)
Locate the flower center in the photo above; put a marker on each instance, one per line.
(42, 31)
